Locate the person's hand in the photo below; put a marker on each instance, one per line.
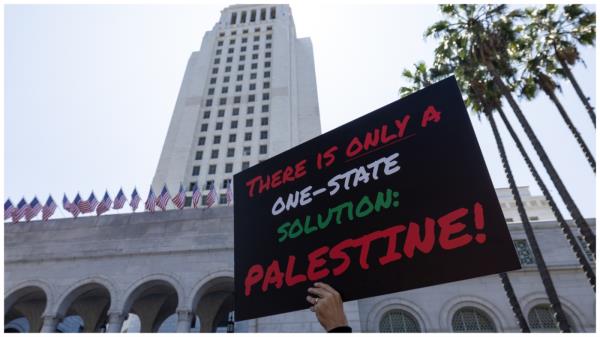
(327, 305)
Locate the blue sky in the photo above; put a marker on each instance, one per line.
(89, 90)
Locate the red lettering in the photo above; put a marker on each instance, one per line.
(255, 274)
(337, 253)
(413, 239)
(354, 147)
(315, 260)
(401, 125)
(273, 276)
(264, 185)
(330, 156)
(300, 169)
(251, 184)
(384, 136)
(290, 278)
(479, 223)
(365, 245)
(449, 227)
(371, 139)
(391, 254)
(276, 181)
(288, 174)
(430, 115)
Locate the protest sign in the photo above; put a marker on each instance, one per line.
(397, 199)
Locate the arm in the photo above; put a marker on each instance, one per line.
(328, 307)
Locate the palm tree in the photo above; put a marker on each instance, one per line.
(535, 78)
(418, 80)
(560, 32)
(482, 35)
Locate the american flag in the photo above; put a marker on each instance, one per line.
(179, 198)
(211, 198)
(151, 201)
(66, 202)
(229, 193)
(163, 198)
(48, 208)
(196, 195)
(19, 212)
(8, 209)
(89, 205)
(120, 200)
(33, 210)
(73, 208)
(104, 205)
(135, 199)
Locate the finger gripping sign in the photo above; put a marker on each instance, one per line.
(395, 200)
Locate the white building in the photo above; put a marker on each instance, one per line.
(249, 93)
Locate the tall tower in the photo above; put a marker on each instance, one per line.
(249, 93)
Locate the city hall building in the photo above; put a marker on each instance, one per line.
(249, 93)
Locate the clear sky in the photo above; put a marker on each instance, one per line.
(89, 91)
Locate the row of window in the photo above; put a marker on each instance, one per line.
(214, 154)
(469, 319)
(212, 168)
(235, 111)
(240, 77)
(243, 49)
(526, 255)
(243, 40)
(229, 59)
(252, 15)
(238, 88)
(209, 183)
(264, 121)
(237, 99)
(246, 31)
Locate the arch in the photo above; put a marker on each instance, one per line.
(377, 312)
(146, 282)
(573, 313)
(22, 289)
(79, 288)
(206, 284)
(453, 305)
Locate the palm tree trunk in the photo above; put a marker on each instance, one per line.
(537, 254)
(584, 228)
(512, 299)
(583, 261)
(573, 129)
(580, 93)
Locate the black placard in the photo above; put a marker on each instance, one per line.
(397, 199)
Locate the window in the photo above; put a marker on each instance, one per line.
(244, 40)
(541, 319)
(235, 111)
(255, 47)
(201, 140)
(273, 12)
(230, 51)
(248, 136)
(212, 169)
(234, 124)
(224, 90)
(268, 45)
(232, 41)
(262, 149)
(534, 218)
(198, 155)
(226, 183)
(241, 67)
(257, 29)
(204, 127)
(267, 74)
(214, 154)
(187, 202)
(229, 59)
(267, 64)
(243, 48)
(245, 31)
(524, 252)
(217, 140)
(269, 28)
(223, 199)
(196, 170)
(233, 32)
(209, 183)
(469, 319)
(215, 70)
(252, 76)
(268, 54)
(232, 138)
(233, 18)
(217, 60)
(266, 85)
(246, 151)
(243, 19)
(509, 219)
(238, 88)
(255, 56)
(242, 57)
(253, 15)
(222, 100)
(254, 66)
(398, 321)
(228, 69)
(192, 185)
(219, 126)
(252, 86)
(221, 34)
(240, 77)
(208, 102)
(228, 167)
(256, 38)
(251, 98)
(213, 80)
(585, 248)
(263, 14)
(237, 99)
(206, 114)
(265, 96)
(211, 91)
(269, 36)
(245, 165)
(230, 152)
(265, 108)
(220, 43)
(264, 134)
(249, 122)
(250, 110)
(264, 121)
(221, 113)
(226, 79)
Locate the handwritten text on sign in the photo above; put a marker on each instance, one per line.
(395, 200)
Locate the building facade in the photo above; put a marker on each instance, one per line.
(249, 93)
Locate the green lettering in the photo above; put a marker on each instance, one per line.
(307, 227)
(323, 224)
(361, 211)
(283, 231)
(380, 202)
(296, 229)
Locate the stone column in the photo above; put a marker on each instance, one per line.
(50, 323)
(115, 321)
(184, 320)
